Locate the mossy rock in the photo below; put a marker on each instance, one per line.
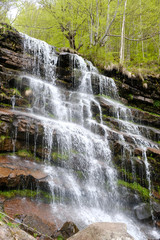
(59, 157)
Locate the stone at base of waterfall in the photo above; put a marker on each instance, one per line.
(12, 233)
(103, 231)
(143, 211)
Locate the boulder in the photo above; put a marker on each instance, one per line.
(143, 211)
(103, 230)
(67, 230)
(8, 233)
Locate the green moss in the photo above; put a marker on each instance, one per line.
(58, 156)
(16, 92)
(156, 104)
(5, 105)
(2, 216)
(144, 192)
(105, 96)
(51, 115)
(24, 153)
(27, 154)
(2, 138)
(130, 96)
(26, 193)
(3, 95)
(80, 174)
(13, 225)
(141, 110)
(128, 175)
(74, 151)
(60, 238)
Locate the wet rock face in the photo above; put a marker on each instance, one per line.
(17, 173)
(31, 213)
(10, 38)
(101, 231)
(25, 135)
(140, 91)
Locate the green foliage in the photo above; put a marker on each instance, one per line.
(35, 235)
(83, 24)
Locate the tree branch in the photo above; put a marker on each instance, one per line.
(34, 27)
(108, 28)
(136, 40)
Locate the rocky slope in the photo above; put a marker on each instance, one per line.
(21, 164)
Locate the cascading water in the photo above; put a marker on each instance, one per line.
(76, 149)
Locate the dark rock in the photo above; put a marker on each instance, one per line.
(67, 230)
(140, 91)
(138, 151)
(143, 211)
(154, 153)
(38, 224)
(65, 60)
(10, 38)
(156, 209)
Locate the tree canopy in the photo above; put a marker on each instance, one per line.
(124, 31)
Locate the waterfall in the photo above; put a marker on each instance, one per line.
(77, 149)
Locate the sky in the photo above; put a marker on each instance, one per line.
(14, 10)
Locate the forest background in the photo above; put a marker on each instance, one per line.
(121, 32)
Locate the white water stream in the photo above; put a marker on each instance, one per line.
(83, 179)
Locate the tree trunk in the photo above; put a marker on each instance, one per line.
(141, 28)
(108, 26)
(123, 34)
(97, 24)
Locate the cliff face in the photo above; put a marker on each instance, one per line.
(137, 90)
(22, 162)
